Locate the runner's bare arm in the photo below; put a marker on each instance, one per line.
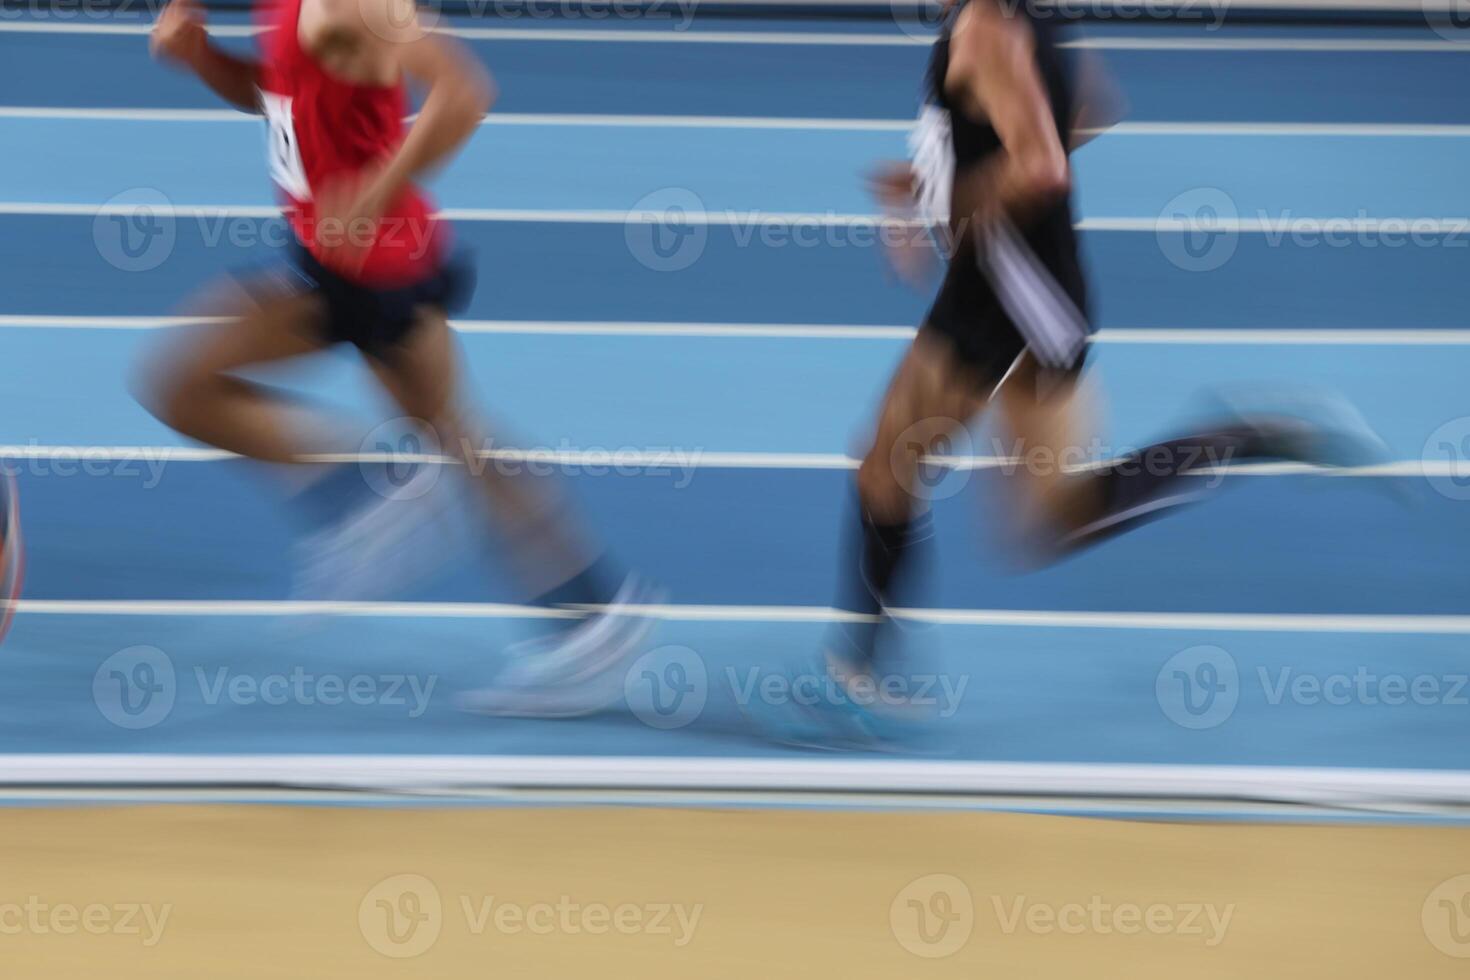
(993, 74)
(459, 92)
(179, 36)
(384, 40)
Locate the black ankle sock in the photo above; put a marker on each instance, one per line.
(595, 585)
(873, 562)
(1151, 482)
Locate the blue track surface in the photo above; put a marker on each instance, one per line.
(611, 167)
(857, 82)
(737, 537)
(572, 271)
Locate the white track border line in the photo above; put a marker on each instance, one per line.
(1172, 128)
(1140, 336)
(671, 458)
(1269, 812)
(1284, 44)
(492, 119)
(1424, 225)
(1295, 784)
(1050, 619)
(1286, 129)
(1253, 226)
(809, 38)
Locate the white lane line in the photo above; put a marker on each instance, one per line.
(1218, 44)
(1330, 786)
(606, 35)
(1202, 336)
(683, 459)
(1288, 129)
(698, 122)
(74, 27)
(126, 115)
(1283, 225)
(1302, 129)
(1019, 618)
(26, 322)
(1276, 337)
(792, 331)
(813, 38)
(251, 608)
(112, 114)
(663, 457)
(729, 217)
(23, 208)
(805, 219)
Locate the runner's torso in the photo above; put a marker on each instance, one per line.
(949, 142)
(322, 129)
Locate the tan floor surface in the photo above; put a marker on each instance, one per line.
(265, 892)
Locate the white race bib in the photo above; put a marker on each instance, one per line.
(282, 150)
(932, 153)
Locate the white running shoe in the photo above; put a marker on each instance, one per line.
(576, 672)
(381, 545)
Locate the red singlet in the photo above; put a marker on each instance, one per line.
(323, 128)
